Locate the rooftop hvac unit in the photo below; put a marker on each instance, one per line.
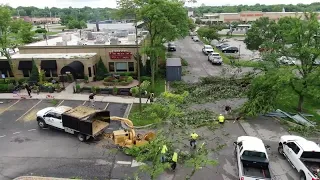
(131, 37)
(114, 41)
(90, 36)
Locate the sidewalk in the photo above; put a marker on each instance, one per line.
(82, 97)
(38, 178)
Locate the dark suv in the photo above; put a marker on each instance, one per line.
(171, 46)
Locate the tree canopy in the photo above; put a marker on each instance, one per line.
(290, 37)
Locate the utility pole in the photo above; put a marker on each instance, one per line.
(138, 69)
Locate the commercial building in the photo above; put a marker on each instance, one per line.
(247, 16)
(39, 20)
(77, 53)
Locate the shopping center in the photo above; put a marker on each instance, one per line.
(77, 53)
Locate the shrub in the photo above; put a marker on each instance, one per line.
(97, 89)
(47, 84)
(145, 78)
(38, 27)
(101, 70)
(115, 90)
(3, 87)
(10, 87)
(40, 30)
(134, 91)
(129, 79)
(78, 88)
(184, 62)
(34, 76)
(86, 79)
(93, 89)
(23, 80)
(144, 85)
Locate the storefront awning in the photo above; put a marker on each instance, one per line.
(25, 65)
(76, 68)
(4, 65)
(48, 64)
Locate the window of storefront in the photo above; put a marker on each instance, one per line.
(131, 66)
(54, 73)
(111, 66)
(47, 72)
(26, 73)
(121, 67)
(7, 73)
(89, 70)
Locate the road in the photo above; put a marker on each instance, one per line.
(198, 62)
(28, 150)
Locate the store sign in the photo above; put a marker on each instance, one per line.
(120, 54)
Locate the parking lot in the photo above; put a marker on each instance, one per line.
(28, 150)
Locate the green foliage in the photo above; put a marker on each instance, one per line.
(4, 88)
(78, 88)
(41, 30)
(198, 21)
(210, 89)
(54, 102)
(184, 62)
(198, 160)
(291, 37)
(208, 32)
(166, 107)
(41, 77)
(134, 91)
(115, 90)
(101, 70)
(93, 89)
(191, 24)
(34, 75)
(151, 152)
(86, 78)
(76, 24)
(195, 119)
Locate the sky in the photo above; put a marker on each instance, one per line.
(112, 3)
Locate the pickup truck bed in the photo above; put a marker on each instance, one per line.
(255, 169)
(311, 164)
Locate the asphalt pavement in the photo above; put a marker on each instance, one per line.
(29, 150)
(199, 65)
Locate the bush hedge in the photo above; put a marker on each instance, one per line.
(122, 80)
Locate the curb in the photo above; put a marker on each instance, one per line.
(38, 178)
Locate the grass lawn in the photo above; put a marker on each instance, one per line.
(136, 118)
(159, 86)
(288, 102)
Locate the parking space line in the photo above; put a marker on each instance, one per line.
(60, 103)
(10, 106)
(106, 106)
(16, 133)
(2, 136)
(124, 162)
(29, 110)
(31, 129)
(84, 103)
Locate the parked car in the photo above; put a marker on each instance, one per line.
(230, 50)
(171, 46)
(215, 58)
(252, 159)
(222, 45)
(207, 49)
(302, 154)
(287, 60)
(196, 39)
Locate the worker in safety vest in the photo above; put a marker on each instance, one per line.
(221, 119)
(163, 153)
(193, 140)
(174, 160)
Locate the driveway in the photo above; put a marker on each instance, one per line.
(28, 150)
(198, 62)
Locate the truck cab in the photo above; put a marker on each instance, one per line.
(302, 154)
(51, 116)
(252, 159)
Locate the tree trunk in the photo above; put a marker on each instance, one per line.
(300, 103)
(152, 72)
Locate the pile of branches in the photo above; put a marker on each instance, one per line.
(211, 89)
(194, 119)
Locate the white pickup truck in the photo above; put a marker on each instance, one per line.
(84, 121)
(252, 159)
(302, 154)
(215, 58)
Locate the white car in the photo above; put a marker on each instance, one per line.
(207, 49)
(302, 154)
(215, 58)
(252, 159)
(287, 60)
(196, 39)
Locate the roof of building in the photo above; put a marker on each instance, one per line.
(53, 56)
(173, 62)
(251, 143)
(103, 37)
